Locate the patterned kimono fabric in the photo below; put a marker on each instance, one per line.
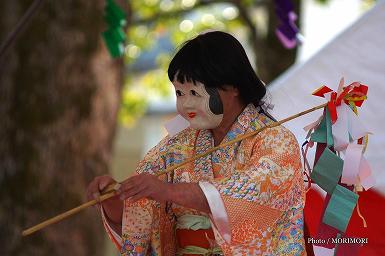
(258, 179)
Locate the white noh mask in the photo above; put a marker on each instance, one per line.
(200, 105)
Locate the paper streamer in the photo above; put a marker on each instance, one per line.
(340, 208)
(327, 171)
(114, 36)
(323, 134)
(356, 128)
(340, 129)
(352, 164)
(365, 174)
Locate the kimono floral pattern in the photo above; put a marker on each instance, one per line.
(258, 179)
(264, 197)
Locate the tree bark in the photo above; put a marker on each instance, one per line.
(59, 97)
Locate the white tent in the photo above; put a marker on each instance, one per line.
(357, 54)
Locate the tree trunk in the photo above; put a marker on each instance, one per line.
(59, 96)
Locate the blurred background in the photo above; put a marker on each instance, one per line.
(70, 112)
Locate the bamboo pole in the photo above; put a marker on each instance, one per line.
(67, 214)
(110, 191)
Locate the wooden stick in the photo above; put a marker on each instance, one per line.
(110, 190)
(67, 214)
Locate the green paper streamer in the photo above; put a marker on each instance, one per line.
(113, 21)
(114, 8)
(319, 135)
(327, 171)
(323, 133)
(114, 36)
(340, 208)
(116, 49)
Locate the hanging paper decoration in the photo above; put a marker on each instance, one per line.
(340, 167)
(287, 32)
(327, 171)
(114, 36)
(340, 208)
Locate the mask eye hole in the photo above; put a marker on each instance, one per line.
(178, 93)
(194, 93)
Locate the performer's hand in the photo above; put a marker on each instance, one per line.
(144, 185)
(113, 207)
(97, 185)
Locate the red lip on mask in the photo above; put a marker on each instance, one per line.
(191, 114)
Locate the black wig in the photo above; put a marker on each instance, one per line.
(216, 59)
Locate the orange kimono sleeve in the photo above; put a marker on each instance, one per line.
(258, 208)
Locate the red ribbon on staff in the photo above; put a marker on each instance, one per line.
(353, 95)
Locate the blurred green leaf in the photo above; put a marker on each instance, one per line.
(134, 104)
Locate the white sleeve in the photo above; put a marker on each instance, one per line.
(218, 211)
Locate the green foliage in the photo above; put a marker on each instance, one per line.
(134, 104)
(156, 83)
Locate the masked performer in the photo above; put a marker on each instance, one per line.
(243, 199)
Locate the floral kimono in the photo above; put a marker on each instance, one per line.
(254, 189)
